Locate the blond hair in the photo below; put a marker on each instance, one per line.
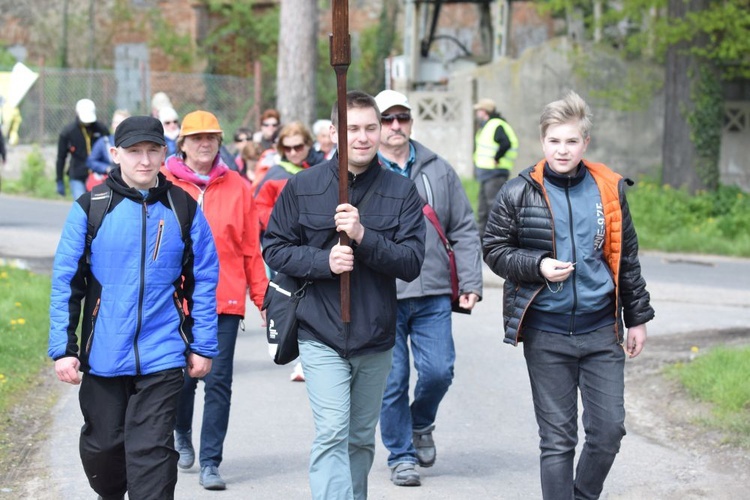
(294, 128)
(570, 108)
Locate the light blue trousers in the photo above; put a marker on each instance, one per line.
(345, 397)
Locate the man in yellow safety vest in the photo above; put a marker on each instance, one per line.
(495, 152)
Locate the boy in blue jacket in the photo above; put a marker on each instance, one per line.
(148, 295)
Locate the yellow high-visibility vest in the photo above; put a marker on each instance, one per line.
(486, 147)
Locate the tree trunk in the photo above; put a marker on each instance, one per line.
(679, 154)
(298, 53)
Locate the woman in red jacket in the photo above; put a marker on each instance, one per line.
(295, 145)
(228, 205)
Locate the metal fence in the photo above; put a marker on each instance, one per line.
(50, 104)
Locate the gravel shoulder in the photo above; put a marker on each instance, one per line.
(660, 410)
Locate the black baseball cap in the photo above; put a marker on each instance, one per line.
(137, 129)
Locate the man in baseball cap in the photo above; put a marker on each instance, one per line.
(495, 153)
(139, 129)
(139, 151)
(424, 305)
(86, 111)
(74, 143)
(135, 360)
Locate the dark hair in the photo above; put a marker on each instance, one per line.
(250, 151)
(355, 99)
(243, 131)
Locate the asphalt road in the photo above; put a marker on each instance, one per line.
(486, 434)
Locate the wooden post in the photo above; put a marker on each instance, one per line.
(340, 60)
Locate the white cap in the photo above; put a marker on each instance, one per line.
(167, 114)
(390, 98)
(160, 100)
(86, 111)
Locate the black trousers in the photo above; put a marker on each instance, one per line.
(488, 190)
(127, 441)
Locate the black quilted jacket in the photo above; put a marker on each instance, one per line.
(520, 234)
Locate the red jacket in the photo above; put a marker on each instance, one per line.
(228, 205)
(269, 189)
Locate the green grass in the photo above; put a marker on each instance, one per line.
(471, 187)
(721, 377)
(24, 328)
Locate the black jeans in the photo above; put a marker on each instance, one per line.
(488, 190)
(127, 443)
(559, 367)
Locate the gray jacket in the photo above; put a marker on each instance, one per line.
(439, 185)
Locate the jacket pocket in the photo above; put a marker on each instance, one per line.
(317, 230)
(383, 224)
(159, 236)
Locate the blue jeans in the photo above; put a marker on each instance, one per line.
(345, 397)
(218, 395)
(425, 322)
(559, 366)
(77, 188)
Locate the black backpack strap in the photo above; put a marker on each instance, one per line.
(184, 211)
(101, 200)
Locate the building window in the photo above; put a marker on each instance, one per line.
(735, 119)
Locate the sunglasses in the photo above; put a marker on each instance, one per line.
(241, 139)
(171, 122)
(401, 117)
(296, 148)
(270, 124)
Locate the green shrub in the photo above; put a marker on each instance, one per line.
(34, 180)
(709, 222)
(34, 171)
(471, 186)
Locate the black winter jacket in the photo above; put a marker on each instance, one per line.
(72, 141)
(301, 233)
(520, 233)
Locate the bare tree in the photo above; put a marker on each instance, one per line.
(298, 38)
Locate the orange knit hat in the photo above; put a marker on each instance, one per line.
(200, 122)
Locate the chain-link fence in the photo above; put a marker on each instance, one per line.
(50, 104)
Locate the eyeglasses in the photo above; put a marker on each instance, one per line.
(241, 139)
(170, 122)
(401, 117)
(270, 124)
(296, 148)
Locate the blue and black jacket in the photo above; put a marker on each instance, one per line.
(146, 302)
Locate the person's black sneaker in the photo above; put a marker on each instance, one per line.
(405, 474)
(425, 446)
(210, 478)
(183, 443)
